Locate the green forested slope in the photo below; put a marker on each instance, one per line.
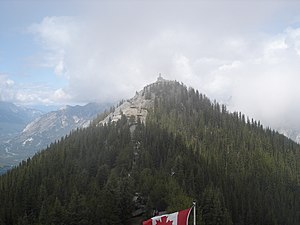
(189, 148)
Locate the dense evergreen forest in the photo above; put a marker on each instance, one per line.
(189, 149)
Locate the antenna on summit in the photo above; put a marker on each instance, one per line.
(160, 78)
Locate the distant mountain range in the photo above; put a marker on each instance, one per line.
(14, 118)
(25, 131)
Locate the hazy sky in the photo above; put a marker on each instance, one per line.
(243, 53)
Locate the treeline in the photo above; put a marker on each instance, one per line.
(189, 149)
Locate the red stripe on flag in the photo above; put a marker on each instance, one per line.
(183, 217)
(147, 222)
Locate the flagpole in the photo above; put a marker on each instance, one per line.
(194, 205)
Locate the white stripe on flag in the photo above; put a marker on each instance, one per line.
(165, 218)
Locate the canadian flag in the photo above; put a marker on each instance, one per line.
(177, 218)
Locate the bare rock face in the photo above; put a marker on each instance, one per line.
(137, 107)
(134, 108)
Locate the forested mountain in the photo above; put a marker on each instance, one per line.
(188, 148)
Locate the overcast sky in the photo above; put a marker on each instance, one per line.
(242, 53)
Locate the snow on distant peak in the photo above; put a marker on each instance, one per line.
(76, 119)
(27, 140)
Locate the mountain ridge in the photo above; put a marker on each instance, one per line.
(188, 148)
(13, 118)
(46, 129)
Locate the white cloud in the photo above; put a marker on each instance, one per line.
(60, 96)
(60, 69)
(293, 39)
(6, 87)
(56, 34)
(266, 83)
(30, 94)
(219, 48)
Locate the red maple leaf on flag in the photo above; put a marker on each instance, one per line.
(164, 221)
